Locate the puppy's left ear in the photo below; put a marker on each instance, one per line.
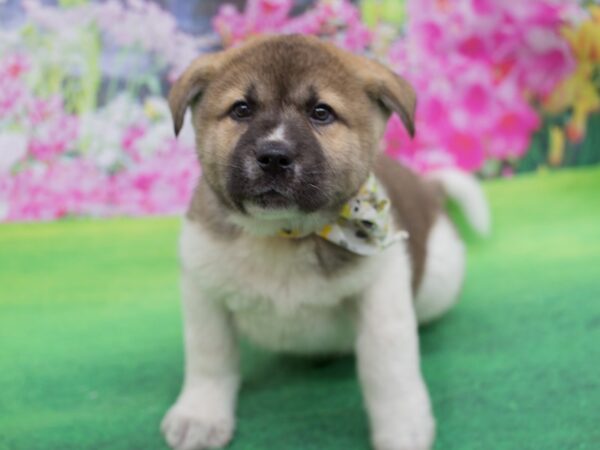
(391, 91)
(191, 84)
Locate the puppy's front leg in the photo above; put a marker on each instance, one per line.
(203, 416)
(395, 394)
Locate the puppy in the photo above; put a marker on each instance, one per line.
(304, 238)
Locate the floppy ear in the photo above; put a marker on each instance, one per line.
(391, 91)
(191, 84)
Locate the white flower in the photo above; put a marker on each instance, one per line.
(13, 147)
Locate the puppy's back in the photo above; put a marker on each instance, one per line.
(416, 204)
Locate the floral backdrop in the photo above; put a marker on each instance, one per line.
(85, 130)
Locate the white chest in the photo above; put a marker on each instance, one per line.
(276, 291)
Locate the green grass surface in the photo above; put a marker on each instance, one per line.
(91, 357)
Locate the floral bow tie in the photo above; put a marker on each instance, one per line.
(364, 225)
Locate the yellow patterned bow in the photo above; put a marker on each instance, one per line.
(364, 225)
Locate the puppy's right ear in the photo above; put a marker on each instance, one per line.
(191, 84)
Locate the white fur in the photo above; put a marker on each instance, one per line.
(203, 416)
(466, 191)
(270, 221)
(273, 292)
(387, 351)
(444, 271)
(274, 289)
(278, 134)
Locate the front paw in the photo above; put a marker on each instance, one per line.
(406, 432)
(186, 427)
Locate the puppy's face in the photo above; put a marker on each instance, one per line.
(288, 124)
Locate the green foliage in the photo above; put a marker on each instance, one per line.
(389, 11)
(79, 81)
(586, 152)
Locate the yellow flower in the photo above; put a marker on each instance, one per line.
(557, 146)
(150, 110)
(585, 41)
(578, 91)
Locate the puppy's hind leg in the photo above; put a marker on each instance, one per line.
(445, 263)
(444, 272)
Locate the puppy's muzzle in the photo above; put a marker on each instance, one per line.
(278, 173)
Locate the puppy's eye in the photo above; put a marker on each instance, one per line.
(322, 114)
(240, 111)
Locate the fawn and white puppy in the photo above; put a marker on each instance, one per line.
(302, 237)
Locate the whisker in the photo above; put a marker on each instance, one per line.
(317, 188)
(229, 166)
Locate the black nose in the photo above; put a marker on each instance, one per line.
(274, 157)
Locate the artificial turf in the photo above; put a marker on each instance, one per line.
(91, 355)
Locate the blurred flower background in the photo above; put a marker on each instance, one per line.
(503, 87)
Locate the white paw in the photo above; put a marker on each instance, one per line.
(415, 432)
(185, 428)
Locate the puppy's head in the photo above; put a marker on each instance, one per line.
(288, 123)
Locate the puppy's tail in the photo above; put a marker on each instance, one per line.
(465, 190)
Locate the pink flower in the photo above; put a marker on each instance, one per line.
(132, 134)
(13, 91)
(512, 133)
(53, 131)
(53, 137)
(267, 14)
(338, 20)
(476, 65)
(260, 16)
(466, 149)
(48, 192)
(230, 24)
(159, 184)
(14, 66)
(41, 110)
(356, 38)
(12, 96)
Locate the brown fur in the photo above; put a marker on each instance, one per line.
(282, 73)
(416, 205)
(333, 258)
(206, 208)
(284, 87)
